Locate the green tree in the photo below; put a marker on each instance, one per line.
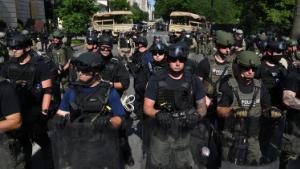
(138, 14)
(272, 15)
(296, 23)
(221, 11)
(116, 5)
(76, 15)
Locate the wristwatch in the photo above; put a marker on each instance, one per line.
(45, 112)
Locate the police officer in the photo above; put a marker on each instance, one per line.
(117, 76)
(59, 53)
(292, 54)
(31, 77)
(12, 154)
(174, 99)
(244, 102)
(273, 75)
(212, 70)
(291, 145)
(159, 64)
(90, 113)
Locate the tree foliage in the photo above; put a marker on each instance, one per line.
(117, 5)
(249, 14)
(138, 14)
(76, 14)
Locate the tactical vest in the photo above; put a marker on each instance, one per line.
(86, 104)
(59, 56)
(110, 71)
(22, 76)
(242, 135)
(249, 101)
(180, 97)
(217, 72)
(154, 68)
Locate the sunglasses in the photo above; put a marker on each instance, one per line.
(175, 59)
(102, 48)
(158, 52)
(247, 68)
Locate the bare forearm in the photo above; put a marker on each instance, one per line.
(116, 121)
(46, 101)
(10, 124)
(224, 111)
(118, 85)
(290, 99)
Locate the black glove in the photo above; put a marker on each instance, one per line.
(192, 120)
(241, 112)
(101, 122)
(164, 119)
(63, 120)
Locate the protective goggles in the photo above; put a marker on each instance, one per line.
(16, 47)
(175, 59)
(105, 48)
(247, 68)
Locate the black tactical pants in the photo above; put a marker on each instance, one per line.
(34, 130)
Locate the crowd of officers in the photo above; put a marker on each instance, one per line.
(202, 103)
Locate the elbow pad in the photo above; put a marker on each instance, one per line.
(47, 90)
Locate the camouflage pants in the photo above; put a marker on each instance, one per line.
(12, 155)
(167, 152)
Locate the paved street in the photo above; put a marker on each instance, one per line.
(134, 140)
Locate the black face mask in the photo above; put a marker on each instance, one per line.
(275, 58)
(57, 45)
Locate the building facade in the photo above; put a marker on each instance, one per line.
(12, 10)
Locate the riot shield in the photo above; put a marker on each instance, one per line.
(78, 145)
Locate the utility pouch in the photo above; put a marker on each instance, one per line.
(238, 151)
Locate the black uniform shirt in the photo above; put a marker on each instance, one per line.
(42, 71)
(203, 69)
(115, 71)
(228, 96)
(9, 103)
(152, 88)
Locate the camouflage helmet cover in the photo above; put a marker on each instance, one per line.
(58, 34)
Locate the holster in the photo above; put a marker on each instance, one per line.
(238, 151)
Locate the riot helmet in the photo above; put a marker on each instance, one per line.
(178, 51)
(89, 62)
(142, 40)
(105, 40)
(159, 46)
(276, 46)
(92, 39)
(17, 42)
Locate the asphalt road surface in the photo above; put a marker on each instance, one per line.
(134, 141)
